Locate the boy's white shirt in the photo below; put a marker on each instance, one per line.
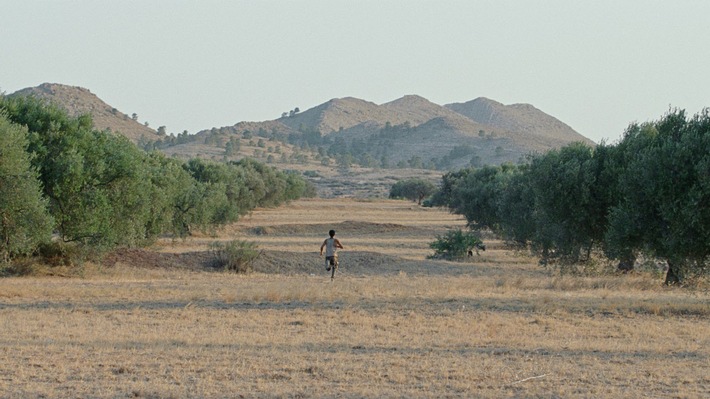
(330, 248)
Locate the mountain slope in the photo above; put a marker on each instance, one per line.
(522, 119)
(78, 100)
(408, 132)
(335, 114)
(417, 110)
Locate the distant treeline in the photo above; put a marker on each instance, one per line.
(95, 190)
(648, 195)
(374, 151)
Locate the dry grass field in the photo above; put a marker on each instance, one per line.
(392, 324)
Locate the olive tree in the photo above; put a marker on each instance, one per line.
(412, 189)
(564, 189)
(476, 195)
(95, 182)
(664, 192)
(24, 220)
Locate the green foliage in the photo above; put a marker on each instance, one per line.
(476, 195)
(455, 244)
(24, 219)
(412, 189)
(664, 186)
(373, 150)
(298, 187)
(180, 203)
(647, 196)
(460, 151)
(236, 255)
(102, 191)
(95, 182)
(516, 209)
(445, 195)
(552, 204)
(563, 183)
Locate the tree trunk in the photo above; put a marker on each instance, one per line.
(626, 263)
(673, 274)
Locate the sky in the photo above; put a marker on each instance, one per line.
(192, 65)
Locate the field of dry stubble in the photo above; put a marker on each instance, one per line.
(392, 324)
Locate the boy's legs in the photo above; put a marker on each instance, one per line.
(331, 261)
(334, 265)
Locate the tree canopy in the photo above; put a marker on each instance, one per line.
(648, 195)
(412, 189)
(98, 190)
(25, 221)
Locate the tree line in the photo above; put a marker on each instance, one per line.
(372, 151)
(62, 182)
(646, 196)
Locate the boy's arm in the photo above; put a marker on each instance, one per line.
(322, 246)
(338, 244)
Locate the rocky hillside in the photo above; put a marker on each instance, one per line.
(78, 100)
(413, 131)
(348, 146)
(408, 132)
(336, 114)
(523, 119)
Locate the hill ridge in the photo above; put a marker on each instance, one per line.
(78, 100)
(408, 131)
(519, 118)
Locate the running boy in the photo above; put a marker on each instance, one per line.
(331, 246)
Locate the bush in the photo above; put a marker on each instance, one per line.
(53, 258)
(456, 244)
(235, 255)
(57, 253)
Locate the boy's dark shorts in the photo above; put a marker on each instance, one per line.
(332, 260)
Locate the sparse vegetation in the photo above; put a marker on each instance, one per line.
(236, 255)
(456, 244)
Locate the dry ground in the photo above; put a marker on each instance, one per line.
(392, 324)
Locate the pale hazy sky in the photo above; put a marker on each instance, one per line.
(193, 65)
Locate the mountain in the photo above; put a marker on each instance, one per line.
(417, 110)
(345, 113)
(78, 100)
(410, 131)
(478, 132)
(522, 119)
(407, 137)
(335, 114)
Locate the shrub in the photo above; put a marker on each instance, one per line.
(235, 255)
(57, 253)
(456, 244)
